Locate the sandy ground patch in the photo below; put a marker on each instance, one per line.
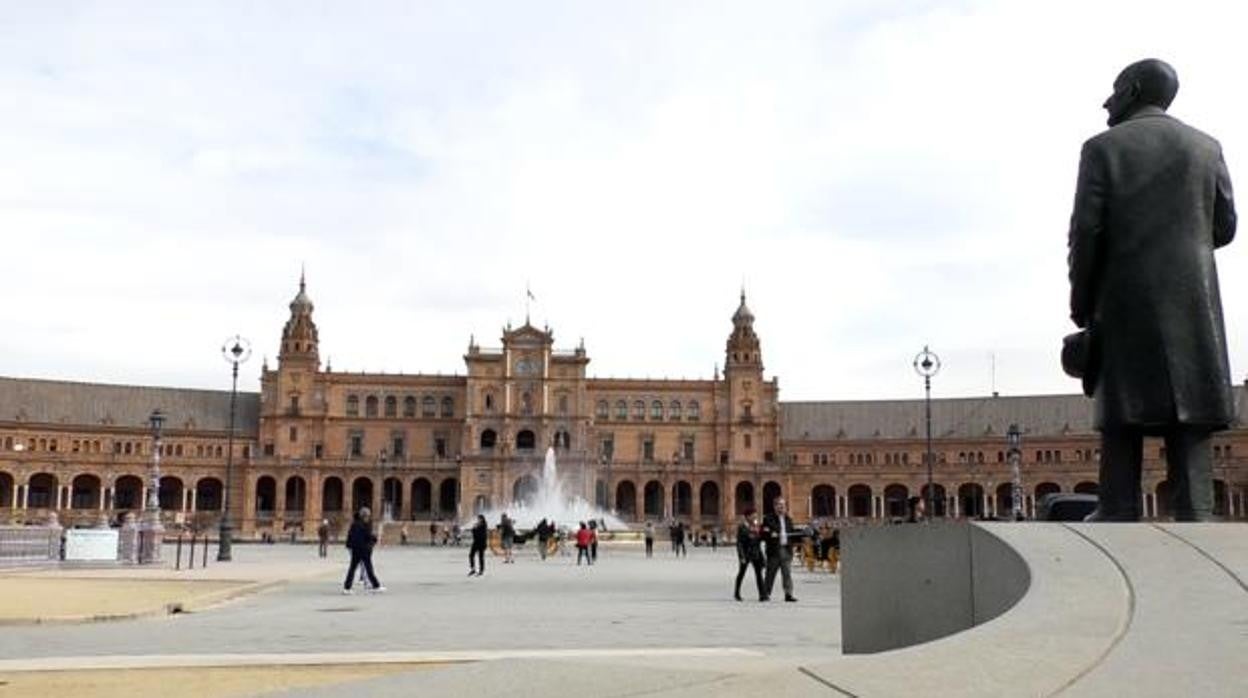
(191, 682)
(27, 598)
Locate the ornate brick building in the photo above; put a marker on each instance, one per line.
(316, 443)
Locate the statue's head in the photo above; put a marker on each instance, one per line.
(1150, 82)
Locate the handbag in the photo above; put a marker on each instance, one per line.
(1081, 358)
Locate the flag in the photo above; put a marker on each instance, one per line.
(529, 293)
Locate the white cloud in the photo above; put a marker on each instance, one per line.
(882, 175)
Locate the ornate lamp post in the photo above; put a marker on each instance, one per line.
(1014, 439)
(927, 364)
(152, 533)
(235, 351)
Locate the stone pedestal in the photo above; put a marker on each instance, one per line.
(54, 537)
(128, 541)
(151, 535)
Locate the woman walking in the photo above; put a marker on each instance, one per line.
(480, 532)
(360, 541)
(749, 553)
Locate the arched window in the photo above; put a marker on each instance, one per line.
(695, 411)
(674, 412)
(392, 406)
(656, 410)
(488, 438)
(448, 406)
(601, 410)
(526, 440)
(639, 410)
(370, 406)
(353, 405)
(621, 409)
(409, 406)
(428, 406)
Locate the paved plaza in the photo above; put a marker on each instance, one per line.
(674, 617)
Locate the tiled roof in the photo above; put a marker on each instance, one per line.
(93, 404)
(1036, 415)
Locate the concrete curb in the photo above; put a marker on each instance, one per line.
(193, 604)
(181, 661)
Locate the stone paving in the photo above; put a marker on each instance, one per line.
(625, 601)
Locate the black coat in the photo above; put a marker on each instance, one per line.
(1153, 201)
(360, 538)
(479, 534)
(747, 545)
(771, 533)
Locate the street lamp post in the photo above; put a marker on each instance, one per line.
(927, 364)
(152, 533)
(387, 495)
(235, 351)
(1014, 439)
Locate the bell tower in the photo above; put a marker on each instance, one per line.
(300, 341)
(743, 367)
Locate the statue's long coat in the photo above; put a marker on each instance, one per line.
(1152, 203)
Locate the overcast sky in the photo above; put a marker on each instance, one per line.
(881, 174)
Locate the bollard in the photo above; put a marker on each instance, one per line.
(177, 555)
(204, 564)
(190, 556)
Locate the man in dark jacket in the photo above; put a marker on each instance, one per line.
(1152, 203)
(749, 553)
(476, 554)
(360, 541)
(779, 537)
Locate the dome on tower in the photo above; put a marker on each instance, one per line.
(743, 314)
(301, 303)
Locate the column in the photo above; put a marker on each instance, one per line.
(1230, 502)
(107, 498)
(279, 505)
(25, 495)
(987, 510)
(877, 506)
(103, 497)
(142, 497)
(954, 508)
(1144, 504)
(190, 495)
(13, 495)
(66, 493)
(248, 492)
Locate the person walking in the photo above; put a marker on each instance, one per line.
(582, 545)
(593, 541)
(779, 537)
(507, 532)
(360, 541)
(679, 539)
(543, 537)
(749, 553)
(649, 539)
(476, 553)
(322, 537)
(433, 533)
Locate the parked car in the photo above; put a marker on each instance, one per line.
(1065, 506)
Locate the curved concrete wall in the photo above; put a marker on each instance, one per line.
(1112, 610)
(908, 584)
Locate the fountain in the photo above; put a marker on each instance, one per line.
(551, 503)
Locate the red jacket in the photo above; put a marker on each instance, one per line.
(583, 538)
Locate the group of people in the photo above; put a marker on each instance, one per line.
(767, 546)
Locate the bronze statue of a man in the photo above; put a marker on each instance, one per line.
(1152, 203)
